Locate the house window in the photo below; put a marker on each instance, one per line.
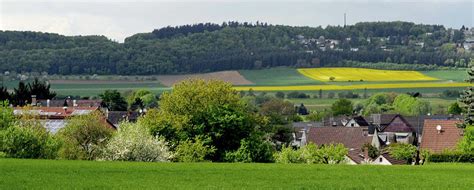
(352, 124)
(380, 159)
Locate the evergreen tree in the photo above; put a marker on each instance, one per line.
(302, 110)
(21, 95)
(41, 89)
(467, 97)
(4, 95)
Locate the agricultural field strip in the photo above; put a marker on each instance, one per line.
(360, 74)
(352, 87)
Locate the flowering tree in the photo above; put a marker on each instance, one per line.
(133, 142)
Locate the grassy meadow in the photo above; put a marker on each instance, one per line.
(60, 174)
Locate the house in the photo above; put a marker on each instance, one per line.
(117, 117)
(67, 102)
(353, 138)
(357, 121)
(468, 44)
(386, 159)
(55, 118)
(440, 135)
(398, 131)
(417, 122)
(336, 121)
(300, 130)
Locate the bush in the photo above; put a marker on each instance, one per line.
(28, 142)
(402, 151)
(296, 94)
(452, 157)
(288, 155)
(189, 151)
(280, 95)
(312, 154)
(133, 142)
(84, 137)
(253, 149)
(6, 115)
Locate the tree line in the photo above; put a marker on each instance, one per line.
(210, 47)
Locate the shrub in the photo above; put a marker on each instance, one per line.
(189, 151)
(452, 157)
(28, 142)
(84, 136)
(312, 154)
(6, 115)
(253, 149)
(280, 95)
(288, 155)
(133, 142)
(402, 151)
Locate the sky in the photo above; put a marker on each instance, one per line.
(118, 19)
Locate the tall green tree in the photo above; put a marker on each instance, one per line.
(41, 89)
(203, 109)
(113, 100)
(22, 94)
(467, 97)
(342, 107)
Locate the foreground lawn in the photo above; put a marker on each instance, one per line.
(51, 174)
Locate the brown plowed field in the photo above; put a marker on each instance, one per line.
(233, 77)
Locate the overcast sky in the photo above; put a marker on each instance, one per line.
(119, 19)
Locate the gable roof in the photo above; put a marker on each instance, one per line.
(398, 124)
(392, 160)
(361, 121)
(350, 137)
(447, 138)
(417, 122)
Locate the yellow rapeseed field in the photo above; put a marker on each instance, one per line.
(360, 74)
(352, 87)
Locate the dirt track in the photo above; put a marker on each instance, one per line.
(233, 77)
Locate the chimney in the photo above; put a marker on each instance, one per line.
(48, 102)
(33, 100)
(74, 103)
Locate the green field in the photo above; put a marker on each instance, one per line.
(54, 174)
(280, 76)
(454, 75)
(95, 89)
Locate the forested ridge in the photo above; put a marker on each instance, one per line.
(209, 47)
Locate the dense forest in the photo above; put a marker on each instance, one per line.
(214, 47)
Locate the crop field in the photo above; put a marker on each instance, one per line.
(354, 87)
(273, 79)
(280, 76)
(60, 174)
(360, 74)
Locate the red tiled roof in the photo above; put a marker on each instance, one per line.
(350, 137)
(446, 139)
(58, 112)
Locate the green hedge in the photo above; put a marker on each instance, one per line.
(452, 157)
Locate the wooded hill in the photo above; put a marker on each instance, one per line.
(231, 46)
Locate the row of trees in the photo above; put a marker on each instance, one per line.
(231, 46)
(22, 94)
